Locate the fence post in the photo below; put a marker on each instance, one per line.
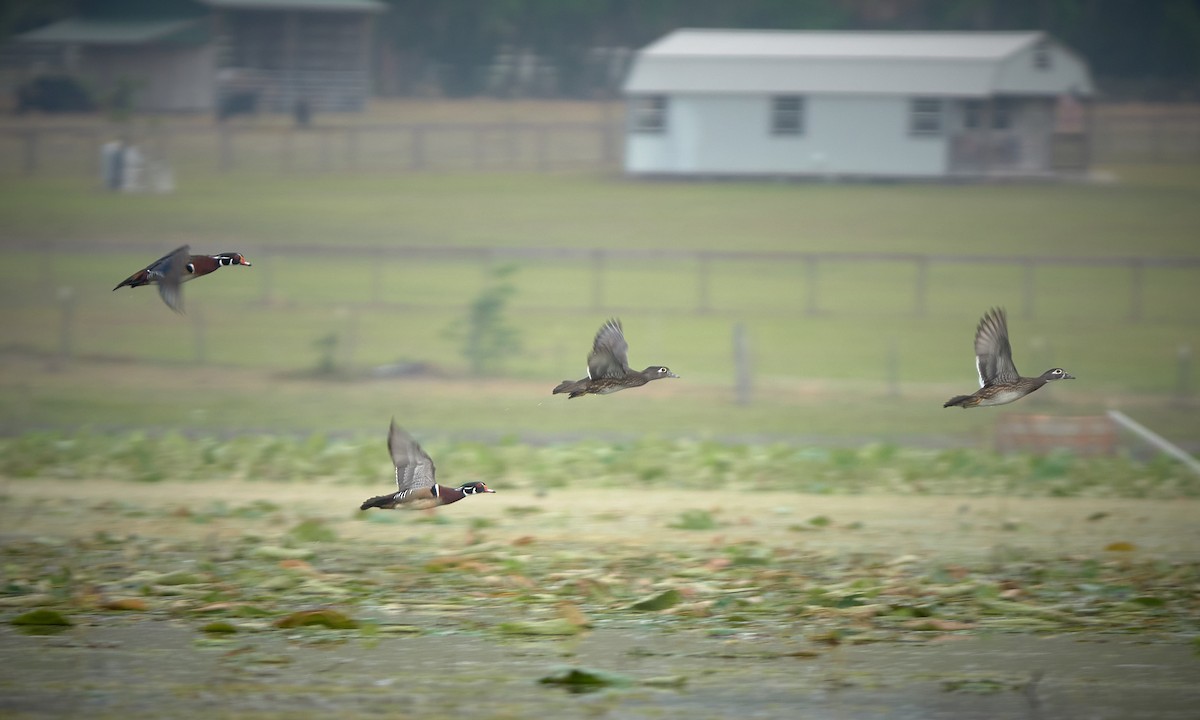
(376, 276)
(30, 156)
(66, 303)
(1135, 290)
(265, 274)
(922, 288)
(542, 147)
(477, 144)
(418, 148)
(285, 151)
(1028, 288)
(811, 273)
(702, 274)
(742, 383)
(198, 328)
(597, 279)
(893, 368)
(225, 152)
(352, 148)
(324, 150)
(1183, 381)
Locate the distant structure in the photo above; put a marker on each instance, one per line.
(919, 105)
(223, 56)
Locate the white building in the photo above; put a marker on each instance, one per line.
(866, 104)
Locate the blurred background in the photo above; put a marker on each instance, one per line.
(443, 201)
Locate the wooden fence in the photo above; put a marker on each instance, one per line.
(801, 271)
(1119, 136)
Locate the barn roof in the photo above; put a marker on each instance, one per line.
(110, 32)
(942, 63)
(310, 5)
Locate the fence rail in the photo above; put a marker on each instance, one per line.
(703, 264)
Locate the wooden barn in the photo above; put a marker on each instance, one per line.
(920, 105)
(216, 55)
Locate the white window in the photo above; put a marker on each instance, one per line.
(925, 117)
(648, 114)
(787, 115)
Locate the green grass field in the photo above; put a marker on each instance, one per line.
(816, 376)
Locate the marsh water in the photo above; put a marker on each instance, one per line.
(155, 669)
(885, 608)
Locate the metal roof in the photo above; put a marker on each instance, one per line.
(780, 61)
(302, 5)
(109, 32)
(807, 44)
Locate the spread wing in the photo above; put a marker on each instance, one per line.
(168, 272)
(993, 354)
(608, 356)
(414, 467)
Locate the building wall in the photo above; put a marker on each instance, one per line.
(731, 135)
(167, 79)
(1020, 75)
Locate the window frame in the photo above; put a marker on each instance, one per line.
(924, 108)
(793, 124)
(648, 114)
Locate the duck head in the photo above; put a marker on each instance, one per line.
(474, 488)
(231, 258)
(658, 372)
(1057, 374)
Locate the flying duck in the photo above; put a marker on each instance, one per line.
(999, 381)
(416, 487)
(175, 268)
(608, 368)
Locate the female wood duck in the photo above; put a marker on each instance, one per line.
(175, 268)
(608, 369)
(416, 487)
(999, 381)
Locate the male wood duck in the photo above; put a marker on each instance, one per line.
(416, 487)
(175, 268)
(608, 368)
(999, 381)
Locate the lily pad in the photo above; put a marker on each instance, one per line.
(329, 618)
(582, 680)
(659, 601)
(42, 616)
(557, 626)
(220, 627)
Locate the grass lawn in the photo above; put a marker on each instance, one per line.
(816, 375)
